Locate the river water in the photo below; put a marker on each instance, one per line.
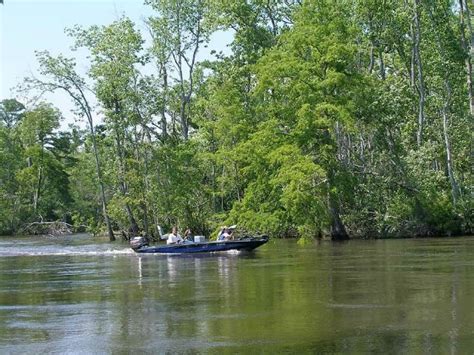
(75, 294)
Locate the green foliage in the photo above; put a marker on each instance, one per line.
(310, 127)
(11, 111)
(34, 158)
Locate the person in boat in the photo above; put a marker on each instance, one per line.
(188, 235)
(220, 235)
(174, 237)
(225, 234)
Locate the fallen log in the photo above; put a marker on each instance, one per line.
(54, 228)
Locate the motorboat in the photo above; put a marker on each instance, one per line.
(140, 245)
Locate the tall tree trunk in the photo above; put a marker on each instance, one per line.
(381, 64)
(464, 10)
(183, 103)
(122, 172)
(449, 159)
(146, 183)
(413, 59)
(36, 195)
(338, 230)
(102, 192)
(371, 57)
(445, 111)
(98, 169)
(178, 59)
(421, 81)
(164, 124)
(184, 118)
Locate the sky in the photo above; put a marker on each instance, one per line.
(29, 25)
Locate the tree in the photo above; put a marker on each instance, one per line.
(327, 118)
(60, 74)
(43, 180)
(179, 32)
(11, 114)
(115, 51)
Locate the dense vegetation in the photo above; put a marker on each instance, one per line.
(329, 118)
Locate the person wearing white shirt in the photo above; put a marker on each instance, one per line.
(174, 237)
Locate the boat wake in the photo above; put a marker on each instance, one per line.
(108, 252)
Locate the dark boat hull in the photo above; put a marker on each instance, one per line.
(247, 244)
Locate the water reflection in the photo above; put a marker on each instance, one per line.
(140, 272)
(368, 296)
(172, 264)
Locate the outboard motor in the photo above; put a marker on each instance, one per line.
(138, 242)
